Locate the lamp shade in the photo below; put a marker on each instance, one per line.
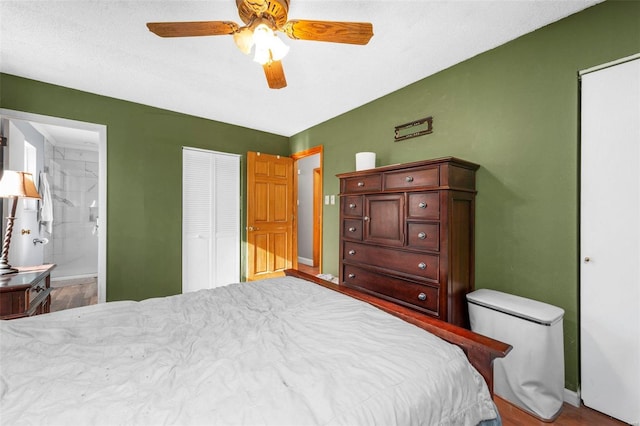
(268, 46)
(17, 185)
(244, 40)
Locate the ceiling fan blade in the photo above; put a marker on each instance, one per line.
(336, 32)
(192, 29)
(275, 75)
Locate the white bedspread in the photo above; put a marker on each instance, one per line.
(276, 352)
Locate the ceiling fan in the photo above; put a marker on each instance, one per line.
(262, 18)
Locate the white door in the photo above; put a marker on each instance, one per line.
(210, 219)
(610, 235)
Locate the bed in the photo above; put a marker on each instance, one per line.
(293, 350)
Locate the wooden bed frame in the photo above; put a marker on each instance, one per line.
(480, 350)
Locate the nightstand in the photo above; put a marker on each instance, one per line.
(26, 293)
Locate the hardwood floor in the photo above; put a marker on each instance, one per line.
(308, 269)
(69, 295)
(570, 416)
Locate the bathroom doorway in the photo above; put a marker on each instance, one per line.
(71, 166)
(308, 184)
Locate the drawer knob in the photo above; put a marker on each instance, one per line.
(352, 206)
(422, 265)
(352, 252)
(352, 276)
(366, 218)
(422, 296)
(360, 184)
(409, 179)
(422, 235)
(422, 205)
(352, 229)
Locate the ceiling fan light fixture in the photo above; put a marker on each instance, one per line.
(262, 18)
(244, 39)
(268, 46)
(278, 49)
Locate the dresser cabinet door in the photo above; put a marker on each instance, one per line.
(384, 219)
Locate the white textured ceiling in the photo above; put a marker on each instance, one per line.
(69, 137)
(104, 47)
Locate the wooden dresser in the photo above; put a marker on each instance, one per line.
(407, 234)
(26, 293)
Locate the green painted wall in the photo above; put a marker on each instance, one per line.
(144, 174)
(515, 111)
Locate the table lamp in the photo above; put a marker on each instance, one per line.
(14, 185)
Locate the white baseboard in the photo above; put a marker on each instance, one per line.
(572, 397)
(305, 261)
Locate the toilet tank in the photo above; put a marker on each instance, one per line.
(531, 376)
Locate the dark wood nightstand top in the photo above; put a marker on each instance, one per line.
(25, 277)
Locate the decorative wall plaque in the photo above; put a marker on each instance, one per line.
(414, 129)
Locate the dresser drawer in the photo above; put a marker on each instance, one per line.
(423, 236)
(423, 205)
(352, 205)
(412, 178)
(407, 293)
(417, 264)
(369, 183)
(41, 304)
(36, 290)
(352, 229)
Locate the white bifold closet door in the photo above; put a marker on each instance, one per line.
(610, 241)
(210, 219)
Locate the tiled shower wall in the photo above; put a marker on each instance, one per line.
(73, 180)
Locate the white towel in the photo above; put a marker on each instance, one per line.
(46, 206)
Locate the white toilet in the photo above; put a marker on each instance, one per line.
(531, 376)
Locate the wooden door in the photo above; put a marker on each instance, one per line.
(270, 216)
(610, 240)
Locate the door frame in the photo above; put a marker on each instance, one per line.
(317, 216)
(101, 129)
(317, 233)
